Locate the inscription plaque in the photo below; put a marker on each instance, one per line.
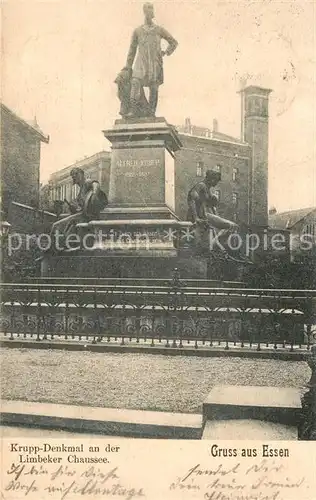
(137, 176)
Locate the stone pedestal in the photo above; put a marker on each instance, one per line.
(130, 248)
(142, 165)
(98, 266)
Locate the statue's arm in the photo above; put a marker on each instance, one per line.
(132, 50)
(172, 42)
(72, 205)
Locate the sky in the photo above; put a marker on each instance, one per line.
(60, 59)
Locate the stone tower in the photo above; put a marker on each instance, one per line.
(255, 131)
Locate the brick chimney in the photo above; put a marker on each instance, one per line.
(187, 126)
(215, 125)
(255, 131)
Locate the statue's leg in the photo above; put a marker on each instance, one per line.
(143, 105)
(229, 249)
(124, 92)
(153, 98)
(72, 221)
(135, 97)
(201, 234)
(57, 234)
(220, 222)
(63, 229)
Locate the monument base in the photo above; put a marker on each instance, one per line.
(139, 248)
(125, 248)
(97, 265)
(142, 163)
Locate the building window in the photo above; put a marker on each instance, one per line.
(257, 106)
(199, 169)
(235, 198)
(235, 174)
(310, 229)
(218, 168)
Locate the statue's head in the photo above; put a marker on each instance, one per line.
(212, 177)
(148, 9)
(77, 175)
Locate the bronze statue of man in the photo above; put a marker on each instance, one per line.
(145, 64)
(202, 211)
(202, 203)
(86, 206)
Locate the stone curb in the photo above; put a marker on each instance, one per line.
(157, 349)
(105, 421)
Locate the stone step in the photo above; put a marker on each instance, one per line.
(271, 404)
(106, 421)
(249, 430)
(133, 213)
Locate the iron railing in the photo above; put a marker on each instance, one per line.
(174, 314)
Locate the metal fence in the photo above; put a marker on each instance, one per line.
(173, 314)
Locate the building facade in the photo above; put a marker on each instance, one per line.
(95, 167)
(20, 159)
(243, 163)
(211, 150)
(302, 226)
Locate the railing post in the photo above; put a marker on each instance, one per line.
(66, 321)
(39, 314)
(308, 426)
(175, 299)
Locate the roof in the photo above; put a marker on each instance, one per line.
(286, 220)
(84, 163)
(206, 133)
(34, 128)
(251, 89)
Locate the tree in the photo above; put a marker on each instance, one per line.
(45, 202)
